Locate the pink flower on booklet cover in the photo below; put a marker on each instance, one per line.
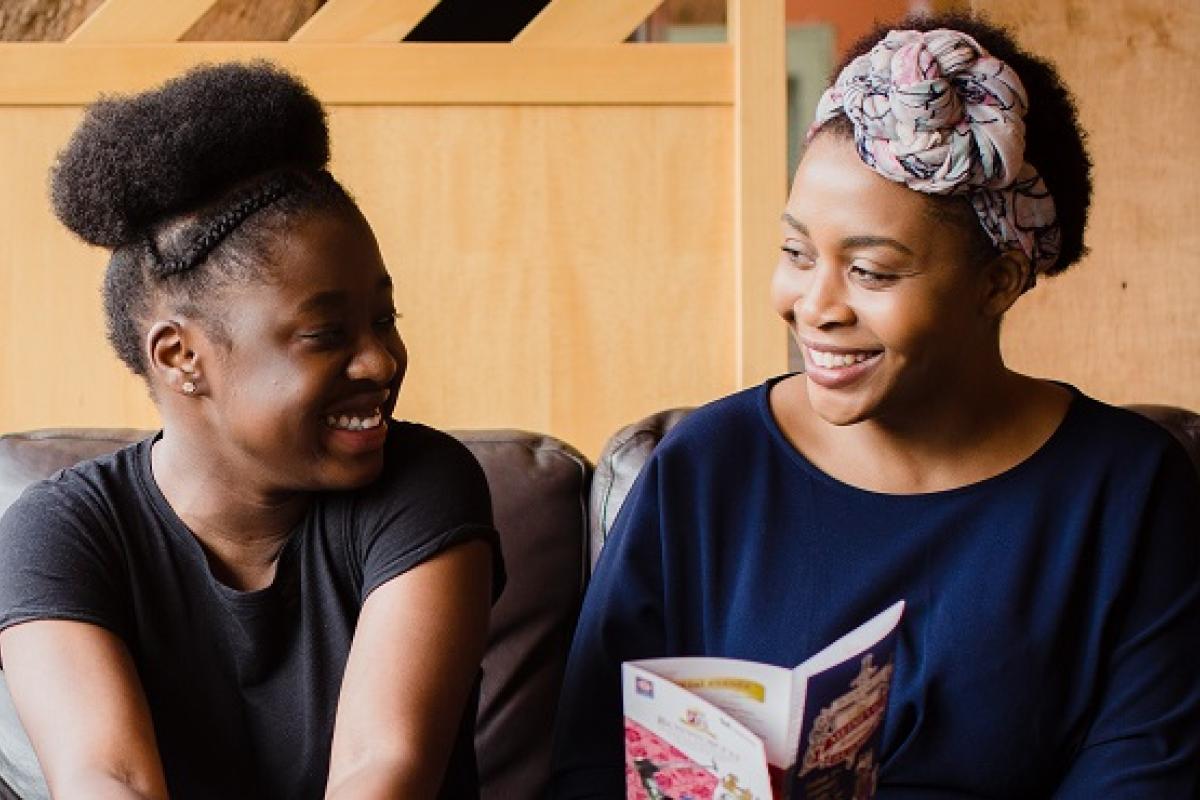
(650, 757)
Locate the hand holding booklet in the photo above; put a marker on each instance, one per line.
(699, 728)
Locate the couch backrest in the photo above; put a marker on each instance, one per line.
(628, 449)
(539, 491)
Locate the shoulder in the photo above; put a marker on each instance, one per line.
(731, 423)
(68, 545)
(98, 490)
(431, 494)
(716, 447)
(1117, 438)
(425, 468)
(1123, 466)
(429, 458)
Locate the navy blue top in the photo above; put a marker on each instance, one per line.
(1051, 643)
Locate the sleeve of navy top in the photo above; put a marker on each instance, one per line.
(431, 496)
(1144, 738)
(622, 619)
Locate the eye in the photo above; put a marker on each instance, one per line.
(871, 278)
(387, 320)
(796, 256)
(325, 337)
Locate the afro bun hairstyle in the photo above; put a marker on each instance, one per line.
(138, 159)
(191, 185)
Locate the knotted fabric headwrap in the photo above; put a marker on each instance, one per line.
(934, 111)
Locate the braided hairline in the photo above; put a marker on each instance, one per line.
(220, 227)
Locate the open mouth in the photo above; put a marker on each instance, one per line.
(839, 360)
(355, 422)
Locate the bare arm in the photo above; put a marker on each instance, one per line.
(79, 698)
(414, 659)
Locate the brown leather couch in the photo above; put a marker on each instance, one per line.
(539, 492)
(553, 515)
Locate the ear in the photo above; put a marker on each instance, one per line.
(173, 358)
(1006, 278)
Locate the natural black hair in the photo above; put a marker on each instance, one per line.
(189, 184)
(1054, 140)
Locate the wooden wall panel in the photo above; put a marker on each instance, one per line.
(563, 222)
(1123, 324)
(262, 20)
(364, 21)
(56, 368)
(558, 269)
(561, 269)
(576, 22)
(42, 20)
(424, 73)
(756, 31)
(130, 21)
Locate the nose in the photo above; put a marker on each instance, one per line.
(823, 304)
(376, 359)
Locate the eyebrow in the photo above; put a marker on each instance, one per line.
(851, 242)
(324, 301)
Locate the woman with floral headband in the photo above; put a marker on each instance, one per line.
(1046, 543)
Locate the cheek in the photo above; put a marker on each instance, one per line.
(277, 389)
(399, 353)
(786, 289)
(901, 323)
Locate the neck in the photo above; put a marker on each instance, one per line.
(947, 430)
(241, 527)
(967, 407)
(979, 424)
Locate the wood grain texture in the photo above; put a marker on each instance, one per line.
(578, 22)
(127, 21)
(226, 20)
(559, 220)
(42, 20)
(56, 367)
(363, 20)
(1122, 325)
(560, 269)
(411, 73)
(756, 31)
(257, 21)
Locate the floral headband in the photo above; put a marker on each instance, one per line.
(935, 112)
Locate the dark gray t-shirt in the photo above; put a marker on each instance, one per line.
(242, 686)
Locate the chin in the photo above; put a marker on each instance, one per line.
(838, 408)
(347, 477)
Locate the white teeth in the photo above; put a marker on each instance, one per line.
(348, 423)
(837, 360)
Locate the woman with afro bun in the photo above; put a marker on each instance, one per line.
(1045, 543)
(285, 592)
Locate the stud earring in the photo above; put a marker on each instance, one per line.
(189, 385)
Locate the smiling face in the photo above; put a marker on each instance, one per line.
(887, 307)
(297, 395)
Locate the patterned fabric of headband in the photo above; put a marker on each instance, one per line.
(935, 112)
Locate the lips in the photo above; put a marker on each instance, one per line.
(359, 425)
(836, 367)
(829, 360)
(355, 422)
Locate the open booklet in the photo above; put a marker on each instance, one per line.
(700, 728)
